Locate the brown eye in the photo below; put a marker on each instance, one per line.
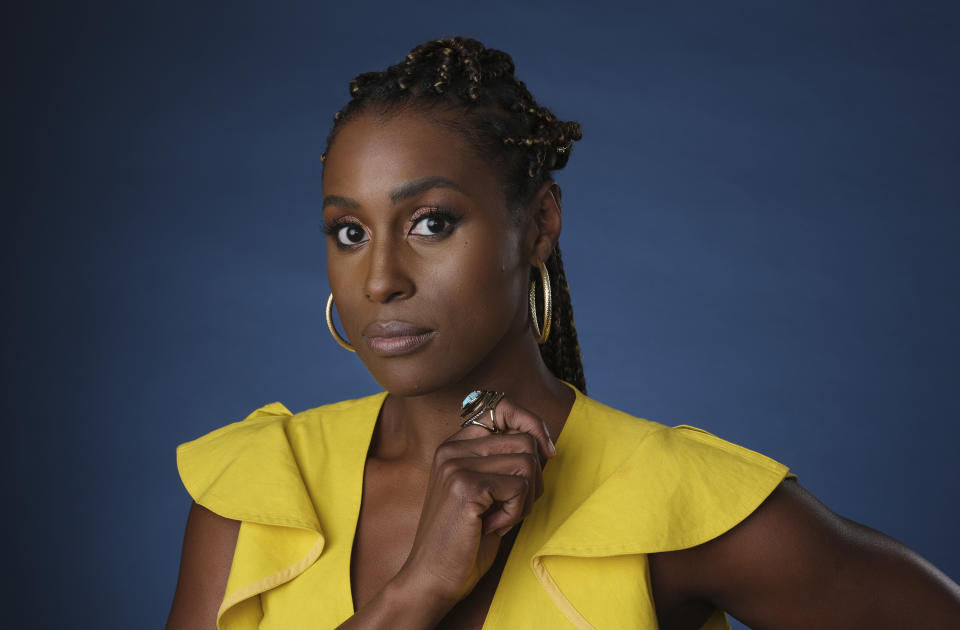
(351, 234)
(429, 226)
(434, 224)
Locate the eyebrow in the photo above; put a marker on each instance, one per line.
(405, 191)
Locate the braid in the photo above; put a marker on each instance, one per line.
(561, 351)
(496, 111)
(509, 130)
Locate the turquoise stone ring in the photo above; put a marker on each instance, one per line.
(478, 403)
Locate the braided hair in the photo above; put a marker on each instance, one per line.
(523, 141)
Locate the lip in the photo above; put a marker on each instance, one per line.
(394, 338)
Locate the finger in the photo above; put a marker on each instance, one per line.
(515, 453)
(498, 501)
(472, 431)
(512, 417)
(488, 444)
(521, 464)
(483, 446)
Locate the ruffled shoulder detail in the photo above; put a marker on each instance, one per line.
(247, 471)
(253, 471)
(656, 489)
(226, 471)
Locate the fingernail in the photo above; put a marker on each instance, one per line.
(503, 530)
(553, 448)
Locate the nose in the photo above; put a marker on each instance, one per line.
(387, 275)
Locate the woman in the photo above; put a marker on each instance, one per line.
(545, 509)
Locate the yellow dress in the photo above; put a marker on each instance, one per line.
(618, 489)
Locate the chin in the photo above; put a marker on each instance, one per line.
(403, 376)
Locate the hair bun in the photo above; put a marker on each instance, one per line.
(495, 110)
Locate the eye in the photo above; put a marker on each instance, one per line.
(434, 223)
(351, 234)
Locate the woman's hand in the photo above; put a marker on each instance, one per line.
(481, 485)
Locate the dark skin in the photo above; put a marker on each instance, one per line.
(439, 511)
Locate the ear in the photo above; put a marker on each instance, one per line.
(544, 223)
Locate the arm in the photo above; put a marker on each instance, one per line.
(401, 603)
(479, 487)
(208, 546)
(795, 564)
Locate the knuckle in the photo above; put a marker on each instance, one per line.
(529, 442)
(521, 483)
(446, 469)
(524, 464)
(507, 409)
(532, 461)
(459, 481)
(444, 452)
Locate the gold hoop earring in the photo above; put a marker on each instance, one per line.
(547, 305)
(333, 329)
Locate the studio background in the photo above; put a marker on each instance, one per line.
(761, 238)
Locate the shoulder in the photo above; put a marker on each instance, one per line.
(680, 444)
(631, 488)
(251, 470)
(657, 488)
(681, 455)
(794, 563)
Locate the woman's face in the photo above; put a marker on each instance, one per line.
(427, 268)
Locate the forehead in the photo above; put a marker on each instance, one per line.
(372, 154)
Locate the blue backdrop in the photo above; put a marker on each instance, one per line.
(761, 239)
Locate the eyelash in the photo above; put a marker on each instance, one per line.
(449, 216)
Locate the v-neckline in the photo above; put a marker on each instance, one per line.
(359, 474)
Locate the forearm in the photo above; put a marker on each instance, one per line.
(399, 604)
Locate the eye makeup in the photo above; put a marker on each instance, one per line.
(444, 220)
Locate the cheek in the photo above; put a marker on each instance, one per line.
(480, 284)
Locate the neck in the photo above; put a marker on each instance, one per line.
(411, 428)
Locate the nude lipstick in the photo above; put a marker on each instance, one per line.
(395, 338)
